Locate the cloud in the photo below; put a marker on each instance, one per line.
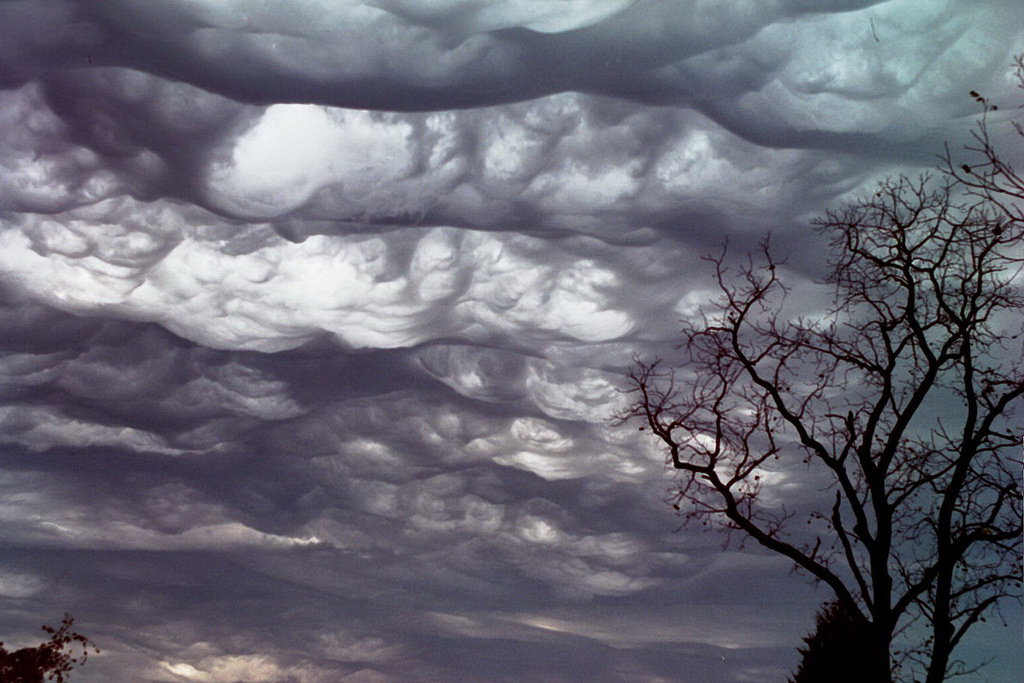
(316, 314)
(41, 429)
(383, 291)
(296, 150)
(504, 376)
(18, 586)
(394, 55)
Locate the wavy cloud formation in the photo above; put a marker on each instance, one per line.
(315, 316)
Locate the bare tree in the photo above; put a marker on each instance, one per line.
(991, 178)
(900, 402)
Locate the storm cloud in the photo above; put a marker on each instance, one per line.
(316, 314)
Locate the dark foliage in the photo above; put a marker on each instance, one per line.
(50, 661)
(841, 650)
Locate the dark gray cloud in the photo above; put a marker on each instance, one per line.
(315, 316)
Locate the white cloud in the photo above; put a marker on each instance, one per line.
(231, 668)
(296, 150)
(20, 586)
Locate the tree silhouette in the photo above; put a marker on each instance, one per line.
(898, 403)
(840, 650)
(991, 178)
(51, 661)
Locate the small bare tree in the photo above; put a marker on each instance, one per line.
(900, 402)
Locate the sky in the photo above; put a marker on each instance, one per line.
(316, 312)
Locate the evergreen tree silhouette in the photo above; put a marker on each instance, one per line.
(841, 650)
